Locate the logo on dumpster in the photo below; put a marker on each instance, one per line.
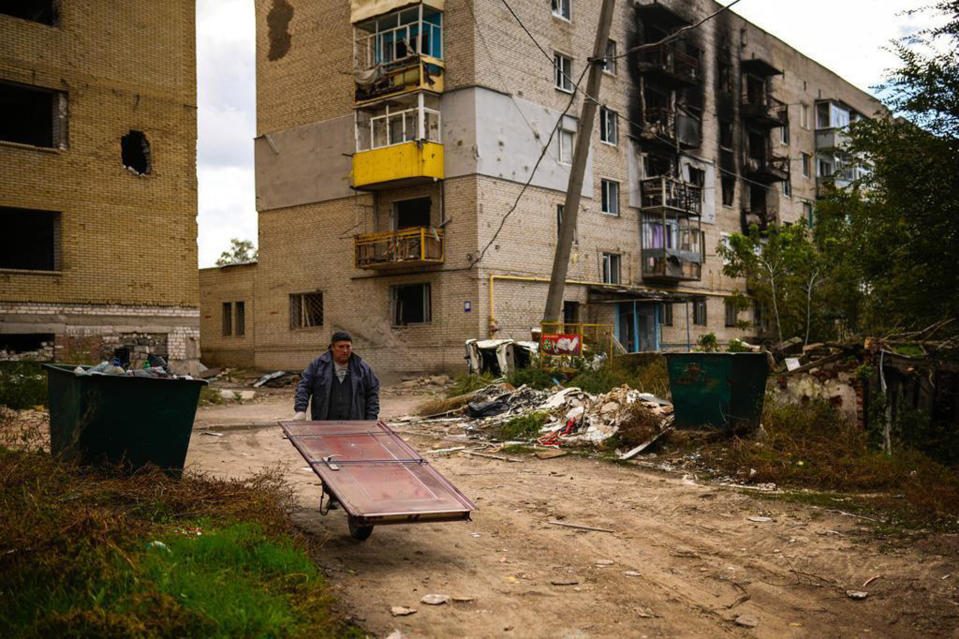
(561, 344)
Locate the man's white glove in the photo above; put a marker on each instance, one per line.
(299, 416)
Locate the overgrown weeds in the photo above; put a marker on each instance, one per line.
(522, 426)
(645, 372)
(92, 552)
(811, 445)
(534, 377)
(210, 396)
(22, 384)
(464, 384)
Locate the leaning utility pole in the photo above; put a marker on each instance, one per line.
(574, 190)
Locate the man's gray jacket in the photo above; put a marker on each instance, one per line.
(317, 379)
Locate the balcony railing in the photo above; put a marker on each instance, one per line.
(764, 110)
(669, 193)
(831, 139)
(672, 246)
(416, 74)
(767, 168)
(661, 264)
(670, 63)
(418, 246)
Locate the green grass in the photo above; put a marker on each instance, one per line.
(464, 384)
(645, 372)
(534, 378)
(210, 396)
(22, 384)
(79, 558)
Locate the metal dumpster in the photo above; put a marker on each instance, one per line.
(132, 421)
(717, 389)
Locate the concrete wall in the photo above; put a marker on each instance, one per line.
(127, 242)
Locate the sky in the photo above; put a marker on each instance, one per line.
(847, 36)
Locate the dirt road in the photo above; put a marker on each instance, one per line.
(683, 560)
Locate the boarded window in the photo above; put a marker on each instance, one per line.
(227, 319)
(411, 304)
(30, 239)
(306, 310)
(43, 11)
(33, 115)
(240, 319)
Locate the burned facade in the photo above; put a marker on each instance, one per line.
(98, 197)
(393, 149)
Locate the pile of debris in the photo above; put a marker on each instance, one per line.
(573, 417)
(426, 385)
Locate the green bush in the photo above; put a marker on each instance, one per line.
(22, 385)
(647, 374)
(464, 384)
(532, 377)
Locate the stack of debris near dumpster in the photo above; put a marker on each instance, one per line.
(573, 417)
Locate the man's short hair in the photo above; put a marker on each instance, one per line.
(340, 336)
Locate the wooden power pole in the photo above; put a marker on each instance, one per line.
(574, 190)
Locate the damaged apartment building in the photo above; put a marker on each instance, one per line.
(98, 204)
(395, 139)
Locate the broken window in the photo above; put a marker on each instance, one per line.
(411, 213)
(33, 345)
(610, 190)
(30, 239)
(657, 165)
(306, 310)
(732, 313)
(725, 134)
(609, 62)
(784, 129)
(611, 266)
(562, 8)
(559, 223)
(227, 319)
(563, 72)
(608, 126)
(728, 183)
(43, 11)
(33, 115)
(699, 311)
(570, 312)
(135, 152)
(697, 177)
(725, 78)
(240, 323)
(411, 304)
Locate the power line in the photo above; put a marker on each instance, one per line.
(676, 34)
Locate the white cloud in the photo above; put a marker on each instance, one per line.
(227, 209)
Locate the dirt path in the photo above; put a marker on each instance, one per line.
(684, 559)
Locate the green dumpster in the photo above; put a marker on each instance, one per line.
(717, 389)
(132, 421)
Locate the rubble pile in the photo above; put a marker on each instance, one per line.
(574, 417)
(428, 384)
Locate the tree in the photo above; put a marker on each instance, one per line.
(784, 272)
(240, 252)
(893, 242)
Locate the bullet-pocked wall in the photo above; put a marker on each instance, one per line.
(107, 186)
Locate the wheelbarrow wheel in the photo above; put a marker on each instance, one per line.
(360, 532)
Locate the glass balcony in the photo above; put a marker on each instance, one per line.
(411, 247)
(672, 248)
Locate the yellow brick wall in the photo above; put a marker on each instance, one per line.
(126, 239)
(227, 284)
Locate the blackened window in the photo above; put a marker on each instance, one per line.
(135, 152)
(667, 314)
(729, 189)
(411, 304)
(227, 319)
(43, 11)
(240, 319)
(726, 134)
(30, 239)
(32, 115)
(732, 313)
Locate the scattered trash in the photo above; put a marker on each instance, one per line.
(159, 545)
(275, 379)
(475, 535)
(632, 573)
(564, 582)
(747, 621)
(396, 634)
(487, 409)
(442, 451)
(550, 454)
(870, 580)
(464, 599)
(211, 433)
(605, 562)
(435, 600)
(760, 519)
(401, 611)
(857, 594)
(236, 393)
(553, 522)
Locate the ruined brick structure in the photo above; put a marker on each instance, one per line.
(98, 198)
(394, 136)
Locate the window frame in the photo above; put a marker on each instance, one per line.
(608, 260)
(301, 325)
(731, 312)
(427, 304)
(804, 115)
(610, 60)
(52, 222)
(605, 197)
(561, 157)
(562, 80)
(788, 187)
(700, 312)
(560, 210)
(239, 318)
(608, 126)
(556, 8)
(805, 160)
(226, 319)
(667, 313)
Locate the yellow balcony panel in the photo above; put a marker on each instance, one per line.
(398, 165)
(421, 73)
(365, 9)
(413, 247)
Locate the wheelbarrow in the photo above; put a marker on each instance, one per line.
(375, 476)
